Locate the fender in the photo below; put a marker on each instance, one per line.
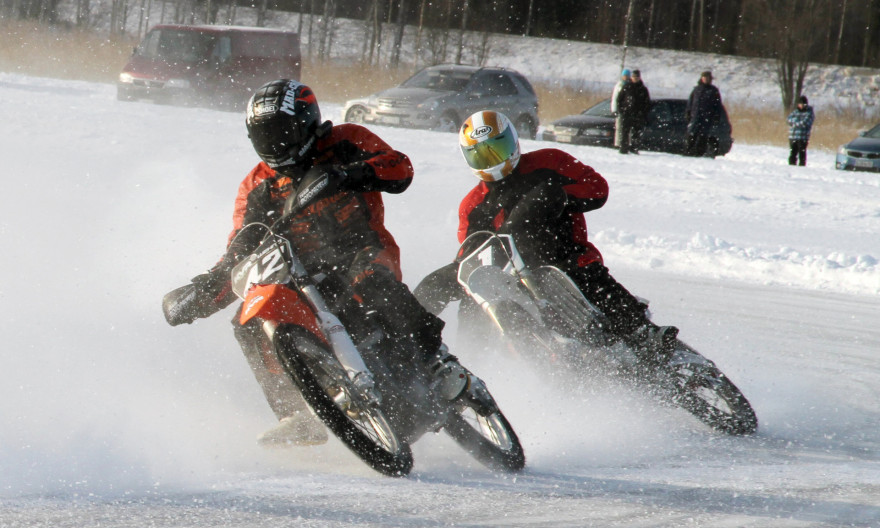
(278, 303)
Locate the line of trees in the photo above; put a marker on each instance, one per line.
(841, 31)
(824, 31)
(794, 32)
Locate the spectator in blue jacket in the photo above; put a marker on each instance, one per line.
(800, 124)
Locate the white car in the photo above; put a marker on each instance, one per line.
(442, 97)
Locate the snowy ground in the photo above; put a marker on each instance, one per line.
(108, 417)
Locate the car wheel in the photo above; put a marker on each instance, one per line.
(356, 114)
(526, 128)
(122, 94)
(448, 122)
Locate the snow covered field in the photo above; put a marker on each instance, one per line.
(109, 417)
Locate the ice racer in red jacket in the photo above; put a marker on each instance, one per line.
(342, 228)
(540, 197)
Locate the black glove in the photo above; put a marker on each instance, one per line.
(206, 295)
(318, 182)
(259, 204)
(358, 176)
(543, 204)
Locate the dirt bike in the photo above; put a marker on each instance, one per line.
(367, 387)
(543, 314)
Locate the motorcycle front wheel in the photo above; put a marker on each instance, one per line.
(360, 425)
(490, 439)
(704, 391)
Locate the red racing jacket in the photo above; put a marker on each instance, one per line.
(340, 225)
(488, 205)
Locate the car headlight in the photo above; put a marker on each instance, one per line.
(125, 78)
(842, 150)
(550, 128)
(177, 83)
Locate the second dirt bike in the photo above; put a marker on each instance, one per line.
(541, 312)
(367, 387)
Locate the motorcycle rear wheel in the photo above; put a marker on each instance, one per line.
(362, 427)
(490, 439)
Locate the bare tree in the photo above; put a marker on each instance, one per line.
(792, 29)
(464, 13)
(447, 22)
(372, 32)
(484, 48)
(262, 7)
(869, 31)
(626, 28)
(311, 25)
(232, 9)
(325, 29)
(529, 13)
(418, 46)
(83, 12)
(398, 35)
(650, 33)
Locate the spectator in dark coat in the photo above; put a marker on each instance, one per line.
(704, 110)
(633, 104)
(800, 124)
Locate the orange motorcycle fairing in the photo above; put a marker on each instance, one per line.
(278, 303)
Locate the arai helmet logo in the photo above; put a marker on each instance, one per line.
(481, 131)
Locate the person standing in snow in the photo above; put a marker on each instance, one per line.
(800, 124)
(624, 79)
(340, 230)
(703, 113)
(540, 197)
(633, 105)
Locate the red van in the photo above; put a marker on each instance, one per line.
(215, 66)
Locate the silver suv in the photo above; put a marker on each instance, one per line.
(442, 97)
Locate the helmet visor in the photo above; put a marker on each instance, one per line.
(274, 140)
(491, 152)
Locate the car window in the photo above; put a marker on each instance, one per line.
(494, 84)
(677, 108)
(182, 46)
(443, 80)
(150, 45)
(602, 109)
(222, 50)
(525, 83)
(873, 133)
(265, 45)
(661, 111)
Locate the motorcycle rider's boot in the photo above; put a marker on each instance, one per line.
(654, 344)
(455, 383)
(301, 429)
(450, 379)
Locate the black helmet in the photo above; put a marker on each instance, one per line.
(282, 117)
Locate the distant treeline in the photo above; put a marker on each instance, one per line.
(826, 31)
(821, 31)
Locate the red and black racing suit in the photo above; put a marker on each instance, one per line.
(542, 203)
(343, 231)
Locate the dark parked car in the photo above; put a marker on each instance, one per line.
(862, 153)
(665, 129)
(442, 97)
(211, 65)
